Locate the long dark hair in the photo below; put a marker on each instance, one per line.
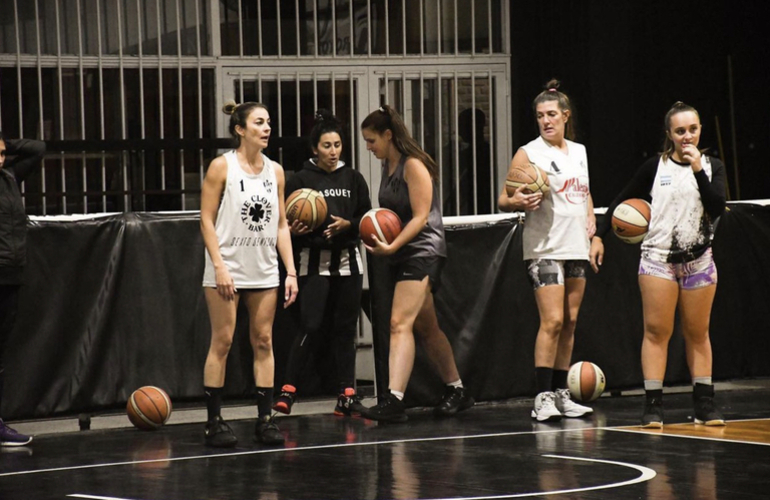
(668, 144)
(239, 113)
(387, 118)
(552, 93)
(325, 122)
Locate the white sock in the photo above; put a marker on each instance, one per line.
(457, 384)
(702, 380)
(398, 394)
(652, 385)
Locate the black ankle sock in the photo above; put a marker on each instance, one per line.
(264, 401)
(559, 379)
(213, 401)
(544, 377)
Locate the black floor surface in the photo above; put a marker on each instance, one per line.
(492, 451)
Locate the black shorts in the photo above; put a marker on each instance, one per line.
(417, 268)
(544, 272)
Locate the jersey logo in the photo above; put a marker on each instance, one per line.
(665, 180)
(575, 191)
(256, 212)
(555, 168)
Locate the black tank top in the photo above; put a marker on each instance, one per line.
(394, 195)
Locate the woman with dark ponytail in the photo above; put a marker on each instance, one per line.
(676, 269)
(555, 245)
(329, 264)
(416, 256)
(243, 222)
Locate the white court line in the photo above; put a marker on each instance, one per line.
(646, 475)
(94, 497)
(284, 450)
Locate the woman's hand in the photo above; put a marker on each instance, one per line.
(225, 284)
(596, 254)
(339, 225)
(380, 248)
(525, 201)
(691, 155)
(290, 290)
(298, 229)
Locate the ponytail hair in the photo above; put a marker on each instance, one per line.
(668, 144)
(552, 93)
(387, 118)
(239, 113)
(325, 123)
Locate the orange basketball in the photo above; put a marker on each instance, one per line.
(586, 381)
(529, 175)
(379, 222)
(148, 408)
(631, 220)
(307, 206)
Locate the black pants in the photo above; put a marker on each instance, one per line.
(339, 299)
(9, 304)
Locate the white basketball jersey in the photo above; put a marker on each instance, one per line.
(247, 227)
(558, 229)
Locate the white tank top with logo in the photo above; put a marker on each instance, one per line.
(247, 227)
(558, 229)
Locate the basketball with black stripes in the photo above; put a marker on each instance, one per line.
(307, 206)
(631, 220)
(380, 222)
(148, 408)
(529, 175)
(586, 381)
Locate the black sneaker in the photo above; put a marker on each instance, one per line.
(653, 413)
(348, 404)
(391, 409)
(11, 437)
(703, 402)
(455, 399)
(286, 399)
(267, 432)
(219, 435)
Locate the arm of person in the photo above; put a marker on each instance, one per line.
(211, 193)
(713, 193)
(28, 156)
(284, 242)
(519, 200)
(363, 204)
(639, 187)
(420, 184)
(590, 217)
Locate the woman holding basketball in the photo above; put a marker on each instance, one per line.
(416, 258)
(244, 229)
(329, 264)
(687, 190)
(555, 246)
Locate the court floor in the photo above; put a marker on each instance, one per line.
(492, 451)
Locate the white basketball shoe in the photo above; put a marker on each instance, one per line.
(545, 408)
(569, 408)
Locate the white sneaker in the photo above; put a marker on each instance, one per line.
(569, 408)
(545, 408)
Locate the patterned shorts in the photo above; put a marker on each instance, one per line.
(698, 273)
(544, 272)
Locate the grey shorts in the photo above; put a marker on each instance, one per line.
(544, 272)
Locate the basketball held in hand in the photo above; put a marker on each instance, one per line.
(148, 408)
(631, 220)
(380, 222)
(529, 175)
(307, 206)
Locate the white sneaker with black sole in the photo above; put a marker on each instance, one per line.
(569, 408)
(545, 408)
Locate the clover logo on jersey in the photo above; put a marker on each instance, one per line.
(256, 213)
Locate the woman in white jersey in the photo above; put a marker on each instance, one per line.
(556, 241)
(687, 190)
(244, 229)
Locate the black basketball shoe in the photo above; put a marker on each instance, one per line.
(390, 409)
(218, 434)
(267, 432)
(455, 399)
(703, 402)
